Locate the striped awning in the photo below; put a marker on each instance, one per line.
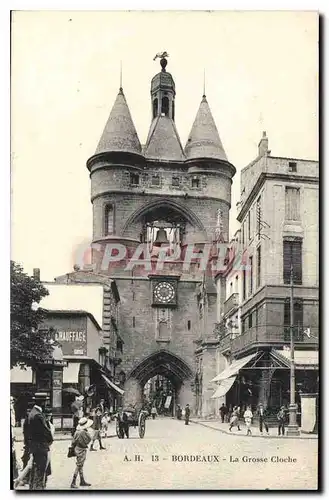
(110, 384)
(223, 387)
(234, 368)
(303, 359)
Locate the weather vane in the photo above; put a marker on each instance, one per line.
(163, 61)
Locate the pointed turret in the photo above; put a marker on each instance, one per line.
(119, 134)
(204, 140)
(163, 142)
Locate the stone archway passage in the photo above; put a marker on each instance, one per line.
(162, 363)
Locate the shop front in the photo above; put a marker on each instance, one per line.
(264, 377)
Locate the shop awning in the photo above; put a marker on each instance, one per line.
(303, 359)
(71, 373)
(234, 368)
(224, 387)
(19, 375)
(111, 385)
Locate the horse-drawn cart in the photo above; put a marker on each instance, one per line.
(131, 417)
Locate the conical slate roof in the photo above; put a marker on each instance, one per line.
(119, 133)
(163, 142)
(204, 141)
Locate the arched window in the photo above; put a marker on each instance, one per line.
(165, 106)
(109, 220)
(155, 108)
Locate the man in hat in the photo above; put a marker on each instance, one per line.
(262, 414)
(77, 410)
(97, 426)
(281, 416)
(40, 438)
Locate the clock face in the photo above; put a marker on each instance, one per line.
(164, 292)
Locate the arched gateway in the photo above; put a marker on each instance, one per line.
(162, 363)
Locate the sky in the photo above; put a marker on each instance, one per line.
(261, 72)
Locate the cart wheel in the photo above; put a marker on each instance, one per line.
(141, 425)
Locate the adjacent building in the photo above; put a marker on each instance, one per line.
(277, 245)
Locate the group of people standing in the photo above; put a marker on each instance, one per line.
(233, 416)
(187, 413)
(38, 433)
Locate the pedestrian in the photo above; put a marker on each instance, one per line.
(40, 439)
(80, 442)
(105, 424)
(187, 414)
(97, 426)
(179, 412)
(223, 411)
(153, 412)
(49, 416)
(77, 411)
(281, 416)
(13, 452)
(234, 421)
(111, 412)
(248, 419)
(123, 423)
(262, 413)
(102, 406)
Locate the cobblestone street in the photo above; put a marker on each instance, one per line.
(162, 460)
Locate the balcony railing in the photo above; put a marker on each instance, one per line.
(267, 335)
(231, 303)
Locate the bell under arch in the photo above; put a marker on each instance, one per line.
(156, 209)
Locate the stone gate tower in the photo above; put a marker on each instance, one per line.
(154, 202)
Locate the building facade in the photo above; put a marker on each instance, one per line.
(277, 245)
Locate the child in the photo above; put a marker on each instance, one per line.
(105, 423)
(234, 419)
(247, 418)
(81, 440)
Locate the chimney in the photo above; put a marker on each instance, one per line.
(263, 145)
(36, 273)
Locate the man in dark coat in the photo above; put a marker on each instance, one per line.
(40, 438)
(223, 411)
(123, 423)
(187, 414)
(263, 416)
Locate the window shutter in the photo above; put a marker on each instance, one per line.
(286, 261)
(296, 251)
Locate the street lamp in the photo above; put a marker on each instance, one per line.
(292, 428)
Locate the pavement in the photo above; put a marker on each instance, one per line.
(174, 456)
(224, 427)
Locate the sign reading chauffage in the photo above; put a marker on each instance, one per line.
(73, 342)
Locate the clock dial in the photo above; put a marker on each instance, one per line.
(164, 292)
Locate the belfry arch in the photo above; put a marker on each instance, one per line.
(162, 204)
(164, 363)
